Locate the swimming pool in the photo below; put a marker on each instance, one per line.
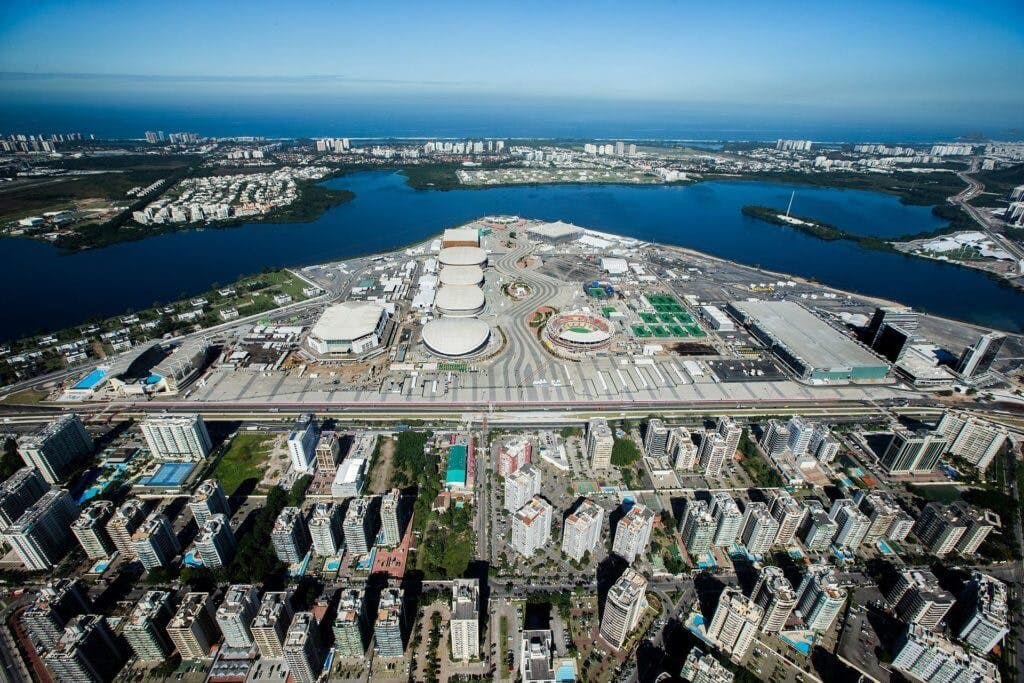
(92, 380)
(885, 548)
(169, 474)
(566, 673)
(191, 560)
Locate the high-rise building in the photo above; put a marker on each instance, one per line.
(41, 537)
(236, 614)
(916, 598)
(735, 623)
(818, 529)
(389, 628)
(146, 629)
(57, 448)
(290, 536)
(350, 626)
(800, 432)
(325, 529)
(521, 486)
(392, 518)
(464, 627)
(731, 432)
(208, 500)
(910, 452)
(271, 624)
(759, 529)
(701, 667)
(302, 443)
(682, 449)
(728, 519)
(958, 527)
(820, 598)
(633, 533)
(882, 513)
(925, 656)
(698, 527)
(623, 607)
(600, 442)
(360, 525)
(91, 529)
(155, 542)
(123, 525)
(57, 603)
(513, 454)
(775, 438)
(582, 530)
(656, 438)
(302, 648)
(977, 359)
(531, 526)
(975, 440)
(537, 657)
(711, 454)
(774, 594)
(852, 525)
(789, 514)
(86, 651)
(889, 315)
(985, 618)
(892, 342)
(216, 542)
(823, 447)
(21, 489)
(328, 452)
(177, 436)
(192, 628)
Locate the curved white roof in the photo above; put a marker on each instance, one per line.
(591, 337)
(461, 275)
(453, 337)
(347, 321)
(462, 256)
(454, 298)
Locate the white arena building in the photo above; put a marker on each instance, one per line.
(455, 337)
(350, 327)
(459, 301)
(461, 275)
(462, 256)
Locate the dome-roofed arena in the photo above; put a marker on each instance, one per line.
(461, 275)
(579, 332)
(462, 256)
(459, 300)
(455, 337)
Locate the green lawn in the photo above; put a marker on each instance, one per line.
(245, 459)
(941, 493)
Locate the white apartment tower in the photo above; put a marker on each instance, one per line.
(820, 598)
(521, 486)
(759, 529)
(582, 530)
(91, 529)
(236, 613)
(42, 535)
(302, 442)
(728, 519)
(735, 623)
(325, 529)
(711, 454)
(656, 438)
(302, 649)
(391, 518)
(208, 500)
(789, 514)
(600, 442)
(623, 607)
(192, 630)
(531, 526)
(698, 527)
(290, 536)
(54, 449)
(216, 542)
(271, 624)
(146, 627)
(464, 627)
(360, 525)
(172, 437)
(774, 594)
(682, 449)
(633, 533)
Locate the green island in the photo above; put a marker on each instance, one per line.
(809, 226)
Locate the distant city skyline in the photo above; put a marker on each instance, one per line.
(938, 63)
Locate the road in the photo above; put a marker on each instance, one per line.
(1017, 587)
(973, 189)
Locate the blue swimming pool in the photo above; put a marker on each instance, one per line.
(566, 673)
(169, 474)
(153, 379)
(91, 380)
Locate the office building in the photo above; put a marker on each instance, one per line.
(774, 594)
(903, 318)
(216, 542)
(18, 492)
(124, 523)
(682, 449)
(513, 454)
(711, 454)
(698, 527)
(985, 622)
(975, 440)
(910, 452)
(87, 651)
(302, 442)
(820, 598)
(176, 437)
(236, 614)
(702, 667)
(155, 542)
(537, 657)
(350, 627)
(208, 500)
(392, 518)
(623, 607)
(851, 524)
(521, 486)
(735, 623)
(656, 439)
(464, 627)
(192, 628)
(633, 533)
(599, 444)
(325, 529)
(389, 628)
(42, 536)
(818, 529)
(728, 519)
(56, 449)
(531, 526)
(302, 649)
(360, 525)
(759, 529)
(582, 530)
(91, 529)
(328, 452)
(922, 655)
(146, 629)
(977, 359)
(57, 603)
(789, 514)
(271, 624)
(290, 536)
(916, 598)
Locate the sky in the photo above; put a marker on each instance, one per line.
(929, 61)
